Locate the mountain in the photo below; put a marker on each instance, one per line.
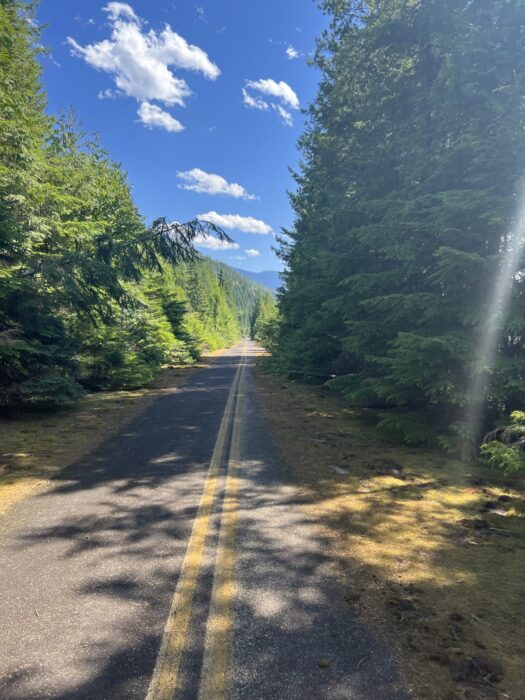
(268, 278)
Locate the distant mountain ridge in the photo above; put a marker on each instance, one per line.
(268, 278)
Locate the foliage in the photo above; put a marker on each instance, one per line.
(413, 161)
(265, 326)
(504, 448)
(506, 458)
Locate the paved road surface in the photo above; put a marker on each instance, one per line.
(174, 562)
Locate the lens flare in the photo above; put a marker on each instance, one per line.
(491, 333)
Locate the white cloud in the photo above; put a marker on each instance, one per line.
(153, 116)
(197, 180)
(252, 252)
(141, 62)
(109, 94)
(268, 87)
(284, 114)
(213, 243)
(254, 102)
(292, 53)
(116, 10)
(234, 221)
(280, 90)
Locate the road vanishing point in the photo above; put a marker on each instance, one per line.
(174, 562)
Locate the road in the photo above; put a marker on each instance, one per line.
(174, 562)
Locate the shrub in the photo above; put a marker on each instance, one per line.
(504, 448)
(506, 458)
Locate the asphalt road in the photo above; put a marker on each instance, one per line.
(174, 562)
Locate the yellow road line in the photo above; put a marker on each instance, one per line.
(216, 662)
(165, 679)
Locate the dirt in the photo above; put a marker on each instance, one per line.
(426, 555)
(34, 446)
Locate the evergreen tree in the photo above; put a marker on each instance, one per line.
(265, 324)
(413, 163)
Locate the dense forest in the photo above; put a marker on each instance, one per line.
(91, 297)
(412, 174)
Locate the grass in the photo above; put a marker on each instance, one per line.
(431, 552)
(34, 446)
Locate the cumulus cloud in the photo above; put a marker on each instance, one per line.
(197, 180)
(153, 116)
(213, 243)
(252, 252)
(292, 53)
(141, 62)
(234, 221)
(279, 94)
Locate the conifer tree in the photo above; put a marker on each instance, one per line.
(413, 162)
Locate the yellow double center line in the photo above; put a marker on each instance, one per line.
(166, 676)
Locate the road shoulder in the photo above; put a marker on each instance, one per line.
(34, 447)
(400, 526)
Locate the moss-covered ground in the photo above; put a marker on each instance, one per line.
(431, 551)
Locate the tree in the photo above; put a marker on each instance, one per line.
(265, 321)
(412, 165)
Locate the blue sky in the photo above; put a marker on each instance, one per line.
(183, 91)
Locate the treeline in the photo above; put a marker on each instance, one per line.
(90, 296)
(412, 176)
(265, 323)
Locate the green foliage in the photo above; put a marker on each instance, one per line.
(404, 203)
(412, 428)
(517, 417)
(504, 448)
(265, 325)
(505, 458)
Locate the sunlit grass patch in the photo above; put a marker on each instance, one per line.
(431, 552)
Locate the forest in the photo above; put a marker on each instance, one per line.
(91, 297)
(408, 198)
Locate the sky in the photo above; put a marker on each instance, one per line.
(201, 102)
